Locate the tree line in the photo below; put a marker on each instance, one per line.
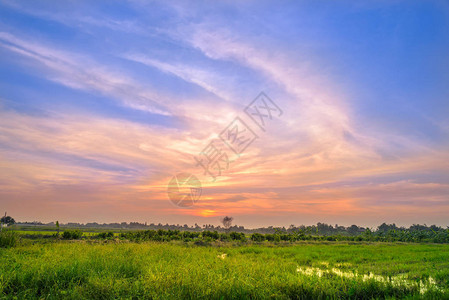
(417, 235)
(318, 229)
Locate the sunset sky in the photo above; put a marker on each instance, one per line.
(103, 102)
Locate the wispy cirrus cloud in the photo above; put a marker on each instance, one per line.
(79, 72)
(201, 65)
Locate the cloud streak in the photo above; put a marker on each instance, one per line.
(315, 163)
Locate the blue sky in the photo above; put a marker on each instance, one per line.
(101, 103)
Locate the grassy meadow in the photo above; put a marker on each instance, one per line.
(114, 268)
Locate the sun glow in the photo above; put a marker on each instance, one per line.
(207, 213)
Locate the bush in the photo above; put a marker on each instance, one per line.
(213, 235)
(269, 237)
(237, 236)
(105, 235)
(284, 237)
(72, 234)
(257, 237)
(8, 238)
(187, 235)
(224, 237)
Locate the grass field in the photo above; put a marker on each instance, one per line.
(107, 269)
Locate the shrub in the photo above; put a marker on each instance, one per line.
(224, 237)
(257, 237)
(284, 237)
(72, 234)
(105, 235)
(187, 235)
(269, 237)
(209, 234)
(237, 236)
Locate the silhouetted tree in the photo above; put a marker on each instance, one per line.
(353, 229)
(227, 222)
(386, 227)
(7, 220)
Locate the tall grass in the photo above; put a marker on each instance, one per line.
(8, 238)
(93, 270)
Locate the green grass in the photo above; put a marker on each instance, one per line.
(175, 270)
(8, 238)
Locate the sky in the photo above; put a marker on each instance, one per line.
(102, 103)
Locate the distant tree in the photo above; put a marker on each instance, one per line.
(386, 227)
(227, 222)
(435, 228)
(7, 220)
(353, 229)
(418, 227)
